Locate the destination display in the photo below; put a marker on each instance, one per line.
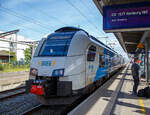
(126, 17)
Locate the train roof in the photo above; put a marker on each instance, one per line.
(95, 39)
(70, 29)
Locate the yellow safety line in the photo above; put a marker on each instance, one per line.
(142, 106)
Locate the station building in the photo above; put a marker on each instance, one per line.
(12, 46)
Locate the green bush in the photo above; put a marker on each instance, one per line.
(1, 66)
(15, 66)
(6, 66)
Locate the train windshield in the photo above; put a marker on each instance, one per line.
(56, 45)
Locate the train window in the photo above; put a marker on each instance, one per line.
(91, 53)
(113, 61)
(101, 61)
(55, 47)
(57, 44)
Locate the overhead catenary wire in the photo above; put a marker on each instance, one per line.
(18, 25)
(49, 16)
(82, 14)
(23, 27)
(84, 5)
(36, 22)
(32, 20)
(18, 17)
(25, 18)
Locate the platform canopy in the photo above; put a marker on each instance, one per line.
(129, 40)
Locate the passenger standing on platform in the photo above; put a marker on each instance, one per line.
(135, 73)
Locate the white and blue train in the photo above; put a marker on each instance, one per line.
(69, 62)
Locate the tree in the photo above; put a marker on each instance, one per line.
(28, 54)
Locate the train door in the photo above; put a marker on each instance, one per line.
(91, 63)
(101, 69)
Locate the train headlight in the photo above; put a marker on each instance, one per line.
(58, 72)
(33, 72)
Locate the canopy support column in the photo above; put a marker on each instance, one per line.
(147, 61)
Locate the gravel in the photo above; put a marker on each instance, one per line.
(17, 104)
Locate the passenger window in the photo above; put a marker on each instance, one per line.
(101, 61)
(91, 53)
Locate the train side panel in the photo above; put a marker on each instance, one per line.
(75, 71)
(75, 61)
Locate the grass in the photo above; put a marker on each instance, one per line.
(14, 70)
(10, 68)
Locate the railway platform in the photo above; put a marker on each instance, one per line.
(115, 98)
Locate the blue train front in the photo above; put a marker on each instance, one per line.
(70, 62)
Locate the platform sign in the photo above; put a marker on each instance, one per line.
(126, 17)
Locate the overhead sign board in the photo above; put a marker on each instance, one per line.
(126, 17)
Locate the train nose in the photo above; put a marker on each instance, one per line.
(47, 88)
(49, 66)
(37, 89)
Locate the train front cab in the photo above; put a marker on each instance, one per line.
(73, 65)
(48, 65)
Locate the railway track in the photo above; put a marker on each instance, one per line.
(32, 110)
(57, 109)
(48, 110)
(12, 92)
(53, 109)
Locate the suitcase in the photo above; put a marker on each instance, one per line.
(144, 92)
(147, 91)
(141, 93)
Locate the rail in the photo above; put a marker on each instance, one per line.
(12, 92)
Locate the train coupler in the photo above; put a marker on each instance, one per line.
(35, 86)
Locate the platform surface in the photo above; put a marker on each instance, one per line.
(115, 98)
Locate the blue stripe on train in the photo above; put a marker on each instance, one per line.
(101, 72)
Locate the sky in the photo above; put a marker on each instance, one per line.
(36, 18)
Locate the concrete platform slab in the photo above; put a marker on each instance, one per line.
(115, 98)
(127, 103)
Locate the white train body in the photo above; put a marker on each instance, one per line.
(74, 58)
